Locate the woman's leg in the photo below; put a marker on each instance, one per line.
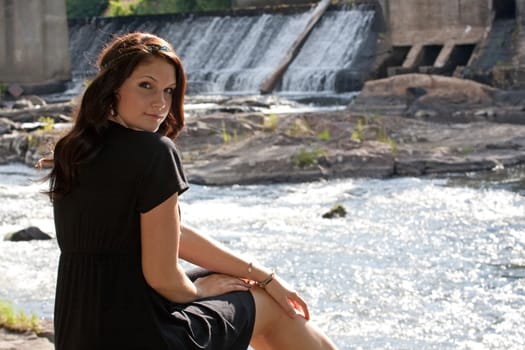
(276, 330)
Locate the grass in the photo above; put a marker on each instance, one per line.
(271, 122)
(307, 158)
(47, 123)
(17, 320)
(358, 133)
(324, 136)
(383, 137)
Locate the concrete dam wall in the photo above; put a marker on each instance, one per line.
(34, 43)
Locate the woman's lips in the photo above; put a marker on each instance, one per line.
(155, 116)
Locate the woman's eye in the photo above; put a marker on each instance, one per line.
(145, 85)
(170, 91)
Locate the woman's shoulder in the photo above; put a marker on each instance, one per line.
(144, 140)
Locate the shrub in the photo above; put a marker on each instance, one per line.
(17, 320)
(82, 8)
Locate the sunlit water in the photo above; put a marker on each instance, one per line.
(416, 264)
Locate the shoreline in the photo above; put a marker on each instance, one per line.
(29, 340)
(451, 126)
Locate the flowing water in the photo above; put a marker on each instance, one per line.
(235, 54)
(433, 263)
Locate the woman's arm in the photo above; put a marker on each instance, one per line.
(160, 240)
(203, 251)
(206, 252)
(160, 233)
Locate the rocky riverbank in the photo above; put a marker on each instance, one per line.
(412, 125)
(30, 340)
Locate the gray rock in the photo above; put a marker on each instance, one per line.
(28, 234)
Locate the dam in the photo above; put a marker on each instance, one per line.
(234, 52)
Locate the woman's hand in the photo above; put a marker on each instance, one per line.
(287, 298)
(217, 284)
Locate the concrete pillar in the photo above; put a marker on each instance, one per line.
(444, 55)
(34, 49)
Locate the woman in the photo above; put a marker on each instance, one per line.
(114, 185)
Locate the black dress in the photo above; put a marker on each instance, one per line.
(102, 299)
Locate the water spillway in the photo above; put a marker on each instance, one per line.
(235, 53)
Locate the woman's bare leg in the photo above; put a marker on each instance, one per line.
(276, 330)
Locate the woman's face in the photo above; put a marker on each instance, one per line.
(145, 97)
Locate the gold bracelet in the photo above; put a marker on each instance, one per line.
(264, 283)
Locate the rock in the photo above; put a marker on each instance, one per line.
(7, 126)
(337, 211)
(37, 101)
(15, 90)
(27, 234)
(424, 92)
(425, 114)
(22, 104)
(26, 340)
(347, 80)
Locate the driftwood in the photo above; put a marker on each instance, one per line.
(268, 85)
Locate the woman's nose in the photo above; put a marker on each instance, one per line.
(159, 102)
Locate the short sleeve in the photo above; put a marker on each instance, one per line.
(162, 178)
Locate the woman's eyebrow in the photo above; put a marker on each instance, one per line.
(153, 78)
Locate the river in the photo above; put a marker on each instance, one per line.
(418, 263)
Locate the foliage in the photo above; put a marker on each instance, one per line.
(47, 123)
(383, 137)
(324, 136)
(16, 319)
(307, 158)
(202, 5)
(119, 8)
(358, 134)
(82, 8)
(299, 128)
(226, 137)
(148, 7)
(270, 122)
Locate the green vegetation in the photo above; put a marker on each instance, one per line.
(17, 320)
(358, 133)
(118, 8)
(324, 136)
(47, 123)
(383, 137)
(82, 8)
(226, 137)
(299, 127)
(270, 122)
(307, 158)
(149, 7)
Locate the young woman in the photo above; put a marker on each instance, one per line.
(115, 186)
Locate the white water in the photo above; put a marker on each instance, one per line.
(416, 264)
(236, 54)
(333, 45)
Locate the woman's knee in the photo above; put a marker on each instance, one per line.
(268, 313)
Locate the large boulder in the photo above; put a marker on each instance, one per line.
(423, 95)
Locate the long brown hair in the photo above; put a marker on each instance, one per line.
(116, 62)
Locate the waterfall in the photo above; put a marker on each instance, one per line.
(234, 54)
(333, 47)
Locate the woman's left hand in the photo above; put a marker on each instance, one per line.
(287, 298)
